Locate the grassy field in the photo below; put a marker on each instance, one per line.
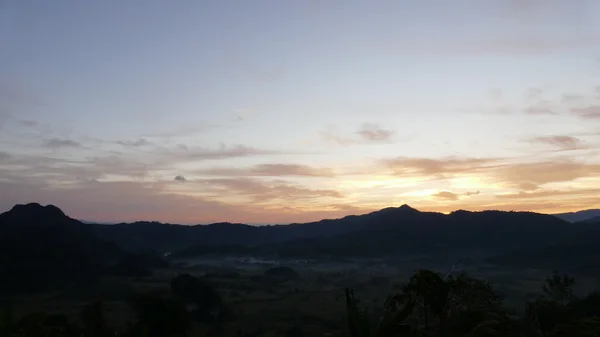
(311, 305)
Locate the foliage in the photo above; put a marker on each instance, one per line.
(559, 287)
(430, 305)
(161, 317)
(207, 301)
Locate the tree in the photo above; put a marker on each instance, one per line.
(205, 298)
(161, 317)
(559, 288)
(92, 316)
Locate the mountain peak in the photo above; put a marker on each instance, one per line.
(406, 207)
(36, 211)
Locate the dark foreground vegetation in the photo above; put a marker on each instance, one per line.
(429, 304)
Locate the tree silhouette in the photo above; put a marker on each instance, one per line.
(207, 301)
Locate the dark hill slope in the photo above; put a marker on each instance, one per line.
(155, 236)
(395, 231)
(41, 248)
(579, 215)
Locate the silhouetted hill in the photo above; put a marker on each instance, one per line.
(143, 236)
(594, 220)
(398, 231)
(41, 248)
(580, 215)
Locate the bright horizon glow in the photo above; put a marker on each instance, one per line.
(281, 112)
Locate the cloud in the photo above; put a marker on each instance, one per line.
(530, 176)
(560, 142)
(258, 190)
(526, 44)
(64, 170)
(533, 93)
(374, 133)
(549, 193)
(4, 156)
(590, 112)
(406, 166)
(135, 143)
(57, 143)
(539, 110)
(180, 178)
(496, 94)
(222, 152)
(272, 170)
(446, 195)
(570, 98)
(332, 137)
(29, 123)
(367, 133)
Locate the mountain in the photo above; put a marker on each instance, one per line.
(45, 237)
(404, 230)
(595, 220)
(579, 216)
(41, 249)
(160, 237)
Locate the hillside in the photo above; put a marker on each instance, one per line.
(579, 216)
(41, 249)
(155, 236)
(398, 231)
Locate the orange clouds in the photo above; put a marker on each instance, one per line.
(435, 167)
(532, 175)
(273, 170)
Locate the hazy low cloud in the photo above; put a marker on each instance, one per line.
(374, 133)
(367, 133)
(549, 193)
(534, 93)
(436, 167)
(524, 44)
(57, 143)
(272, 170)
(570, 98)
(135, 143)
(446, 195)
(530, 176)
(590, 112)
(29, 123)
(180, 178)
(539, 110)
(259, 190)
(222, 152)
(331, 136)
(525, 176)
(560, 142)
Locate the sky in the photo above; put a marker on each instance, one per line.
(269, 111)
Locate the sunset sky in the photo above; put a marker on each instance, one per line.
(271, 111)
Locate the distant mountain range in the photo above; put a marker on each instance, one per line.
(44, 241)
(584, 215)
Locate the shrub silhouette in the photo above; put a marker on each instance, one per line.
(206, 302)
